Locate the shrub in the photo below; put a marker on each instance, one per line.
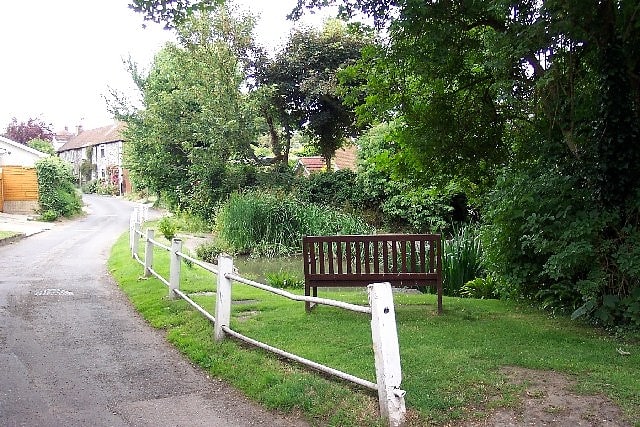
(423, 210)
(187, 221)
(209, 252)
(271, 224)
(284, 280)
(168, 227)
(554, 241)
(57, 194)
(43, 146)
(338, 189)
(49, 215)
(90, 187)
(480, 288)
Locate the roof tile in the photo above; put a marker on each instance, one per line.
(91, 137)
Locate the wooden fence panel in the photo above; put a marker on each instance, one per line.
(1, 193)
(19, 183)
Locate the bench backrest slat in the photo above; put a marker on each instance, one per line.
(377, 254)
(405, 260)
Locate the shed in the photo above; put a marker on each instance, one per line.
(18, 178)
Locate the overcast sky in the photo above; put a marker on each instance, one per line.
(59, 57)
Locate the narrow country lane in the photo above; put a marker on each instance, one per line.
(73, 352)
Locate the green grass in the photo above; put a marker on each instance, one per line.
(450, 363)
(7, 234)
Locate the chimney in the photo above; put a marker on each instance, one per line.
(78, 129)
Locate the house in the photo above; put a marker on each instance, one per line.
(18, 178)
(15, 154)
(63, 136)
(344, 158)
(96, 154)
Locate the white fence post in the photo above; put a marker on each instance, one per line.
(174, 267)
(223, 296)
(148, 253)
(387, 354)
(136, 239)
(143, 213)
(133, 219)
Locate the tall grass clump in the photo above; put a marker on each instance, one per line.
(461, 260)
(272, 224)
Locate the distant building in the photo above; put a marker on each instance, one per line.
(344, 158)
(61, 137)
(97, 154)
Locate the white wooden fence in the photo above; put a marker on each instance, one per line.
(381, 309)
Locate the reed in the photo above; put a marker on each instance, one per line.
(461, 260)
(272, 224)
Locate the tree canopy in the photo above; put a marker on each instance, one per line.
(24, 132)
(196, 117)
(171, 12)
(304, 85)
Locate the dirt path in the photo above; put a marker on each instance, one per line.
(549, 401)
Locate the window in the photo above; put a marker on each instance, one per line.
(102, 151)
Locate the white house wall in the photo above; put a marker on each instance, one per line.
(14, 154)
(106, 155)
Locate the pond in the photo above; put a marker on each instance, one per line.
(257, 268)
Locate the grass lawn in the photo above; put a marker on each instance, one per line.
(7, 234)
(450, 363)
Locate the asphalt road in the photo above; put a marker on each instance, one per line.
(73, 352)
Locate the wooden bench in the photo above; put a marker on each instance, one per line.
(404, 260)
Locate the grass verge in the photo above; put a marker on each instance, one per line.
(450, 363)
(7, 234)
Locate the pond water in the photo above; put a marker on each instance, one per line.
(257, 268)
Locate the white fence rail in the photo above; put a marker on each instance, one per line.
(381, 308)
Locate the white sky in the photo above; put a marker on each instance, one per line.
(59, 57)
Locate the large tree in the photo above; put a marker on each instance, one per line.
(302, 87)
(197, 119)
(24, 132)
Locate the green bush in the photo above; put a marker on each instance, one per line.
(284, 280)
(90, 187)
(43, 146)
(272, 224)
(168, 227)
(338, 189)
(422, 210)
(398, 197)
(209, 252)
(49, 215)
(553, 240)
(480, 288)
(188, 222)
(57, 194)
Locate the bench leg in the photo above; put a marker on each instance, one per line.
(307, 304)
(307, 292)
